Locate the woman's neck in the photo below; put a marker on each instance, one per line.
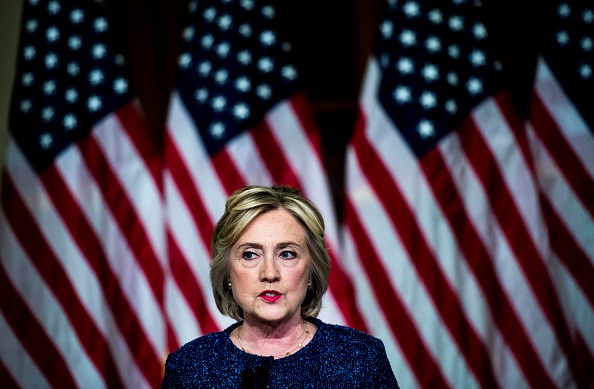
(273, 339)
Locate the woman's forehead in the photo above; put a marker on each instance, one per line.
(274, 226)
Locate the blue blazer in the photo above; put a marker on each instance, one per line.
(337, 357)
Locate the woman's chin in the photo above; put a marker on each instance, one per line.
(271, 316)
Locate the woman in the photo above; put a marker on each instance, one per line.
(269, 272)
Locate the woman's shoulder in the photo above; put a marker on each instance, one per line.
(203, 345)
(200, 359)
(204, 342)
(343, 331)
(346, 335)
(349, 351)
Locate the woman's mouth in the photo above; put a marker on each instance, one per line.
(270, 296)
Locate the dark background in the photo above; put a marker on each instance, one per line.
(332, 39)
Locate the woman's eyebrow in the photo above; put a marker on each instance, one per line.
(260, 246)
(250, 245)
(288, 243)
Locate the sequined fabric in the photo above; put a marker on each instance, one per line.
(337, 357)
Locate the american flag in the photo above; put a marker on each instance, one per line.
(81, 229)
(445, 236)
(560, 129)
(237, 117)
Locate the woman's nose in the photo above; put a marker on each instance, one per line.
(269, 271)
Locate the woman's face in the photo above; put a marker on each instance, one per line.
(270, 267)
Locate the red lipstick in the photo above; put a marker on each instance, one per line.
(270, 296)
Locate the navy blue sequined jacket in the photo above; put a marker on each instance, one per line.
(337, 357)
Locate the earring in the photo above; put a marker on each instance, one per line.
(229, 285)
(309, 285)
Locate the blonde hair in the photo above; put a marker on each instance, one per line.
(242, 207)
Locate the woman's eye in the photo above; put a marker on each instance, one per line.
(288, 254)
(249, 255)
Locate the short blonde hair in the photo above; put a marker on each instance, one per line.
(241, 209)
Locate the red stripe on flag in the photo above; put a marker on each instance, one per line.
(403, 220)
